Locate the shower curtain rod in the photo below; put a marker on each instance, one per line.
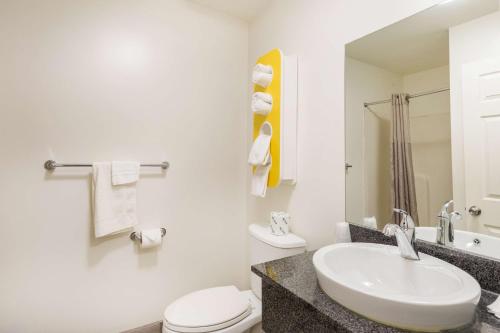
(409, 96)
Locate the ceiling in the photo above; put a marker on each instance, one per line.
(243, 9)
(419, 42)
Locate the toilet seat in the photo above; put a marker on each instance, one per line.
(207, 310)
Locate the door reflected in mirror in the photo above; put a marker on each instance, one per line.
(423, 125)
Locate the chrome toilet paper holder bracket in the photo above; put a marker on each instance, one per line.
(136, 236)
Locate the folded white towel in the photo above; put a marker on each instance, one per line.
(342, 232)
(262, 75)
(114, 206)
(124, 172)
(262, 103)
(260, 149)
(259, 179)
(494, 308)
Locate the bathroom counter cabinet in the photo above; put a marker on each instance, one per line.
(293, 301)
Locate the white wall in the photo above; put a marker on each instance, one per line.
(469, 42)
(153, 80)
(431, 141)
(368, 146)
(317, 31)
(95, 80)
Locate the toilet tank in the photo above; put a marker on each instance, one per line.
(264, 246)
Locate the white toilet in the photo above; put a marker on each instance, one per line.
(227, 309)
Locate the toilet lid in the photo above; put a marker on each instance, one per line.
(207, 310)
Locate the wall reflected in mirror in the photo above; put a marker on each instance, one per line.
(422, 100)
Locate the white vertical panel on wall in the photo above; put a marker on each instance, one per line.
(289, 120)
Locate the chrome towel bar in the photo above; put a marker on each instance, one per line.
(52, 165)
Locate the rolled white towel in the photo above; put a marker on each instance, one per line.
(262, 103)
(262, 75)
(342, 232)
(268, 69)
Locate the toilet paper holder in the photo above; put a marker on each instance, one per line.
(136, 236)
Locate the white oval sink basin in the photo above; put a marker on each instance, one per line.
(376, 282)
(465, 240)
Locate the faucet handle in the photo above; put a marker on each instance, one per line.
(400, 211)
(407, 221)
(446, 207)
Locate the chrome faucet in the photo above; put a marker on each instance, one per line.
(405, 235)
(445, 234)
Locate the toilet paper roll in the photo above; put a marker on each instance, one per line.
(150, 238)
(280, 223)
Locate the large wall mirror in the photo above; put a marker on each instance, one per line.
(423, 125)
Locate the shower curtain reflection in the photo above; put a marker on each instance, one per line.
(403, 179)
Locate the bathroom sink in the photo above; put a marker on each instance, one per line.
(373, 280)
(465, 240)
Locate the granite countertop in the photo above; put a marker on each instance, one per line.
(296, 277)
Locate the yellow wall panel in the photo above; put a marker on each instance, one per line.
(274, 58)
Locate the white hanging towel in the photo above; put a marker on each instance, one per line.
(259, 179)
(114, 205)
(262, 103)
(260, 148)
(124, 172)
(262, 75)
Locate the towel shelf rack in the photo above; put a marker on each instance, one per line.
(52, 165)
